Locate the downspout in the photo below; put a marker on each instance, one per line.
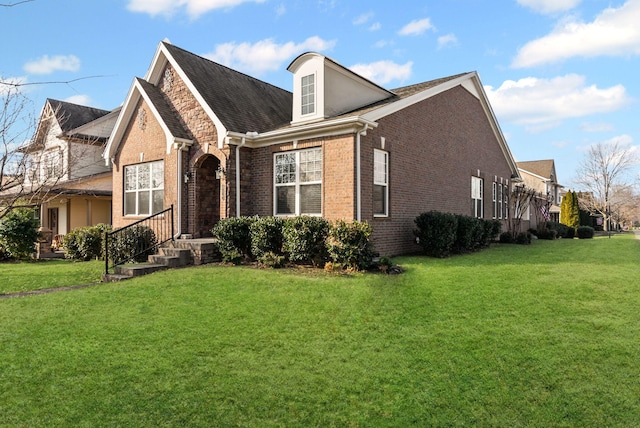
(359, 174)
(238, 176)
(179, 190)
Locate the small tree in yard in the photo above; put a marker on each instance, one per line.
(569, 210)
(18, 233)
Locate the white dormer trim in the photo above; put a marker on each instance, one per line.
(338, 90)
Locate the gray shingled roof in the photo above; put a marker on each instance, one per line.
(168, 116)
(71, 116)
(242, 103)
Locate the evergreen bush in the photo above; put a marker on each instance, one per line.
(469, 234)
(349, 244)
(19, 233)
(585, 232)
(134, 244)
(266, 236)
(523, 238)
(507, 238)
(436, 233)
(233, 238)
(304, 239)
(85, 243)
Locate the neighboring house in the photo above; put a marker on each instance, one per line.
(540, 176)
(217, 143)
(66, 177)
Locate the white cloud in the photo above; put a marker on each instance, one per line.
(416, 27)
(363, 19)
(614, 32)
(48, 65)
(281, 9)
(596, 127)
(375, 26)
(447, 40)
(264, 55)
(83, 100)
(13, 85)
(194, 8)
(549, 6)
(383, 72)
(540, 104)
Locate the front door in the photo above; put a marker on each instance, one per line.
(52, 218)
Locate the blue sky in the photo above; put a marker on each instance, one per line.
(560, 74)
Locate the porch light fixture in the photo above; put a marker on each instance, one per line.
(187, 176)
(220, 172)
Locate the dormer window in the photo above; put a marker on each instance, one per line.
(308, 95)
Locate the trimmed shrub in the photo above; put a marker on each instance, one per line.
(85, 243)
(546, 234)
(19, 233)
(134, 244)
(436, 233)
(349, 244)
(271, 260)
(507, 238)
(523, 238)
(469, 234)
(266, 236)
(585, 232)
(304, 239)
(562, 230)
(492, 231)
(233, 235)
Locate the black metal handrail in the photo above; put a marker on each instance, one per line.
(138, 239)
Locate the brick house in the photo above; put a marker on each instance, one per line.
(217, 143)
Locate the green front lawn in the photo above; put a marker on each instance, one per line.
(36, 275)
(546, 335)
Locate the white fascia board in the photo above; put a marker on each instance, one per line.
(155, 74)
(329, 128)
(170, 139)
(119, 128)
(395, 107)
(541, 178)
(493, 121)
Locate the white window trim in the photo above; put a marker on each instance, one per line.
(314, 104)
(494, 199)
(297, 184)
(385, 183)
(480, 190)
(138, 191)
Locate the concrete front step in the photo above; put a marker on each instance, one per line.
(139, 269)
(179, 253)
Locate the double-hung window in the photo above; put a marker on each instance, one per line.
(308, 94)
(380, 183)
(476, 197)
(298, 182)
(494, 195)
(144, 188)
(500, 199)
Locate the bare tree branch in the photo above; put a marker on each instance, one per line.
(59, 82)
(604, 175)
(17, 3)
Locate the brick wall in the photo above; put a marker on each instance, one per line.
(338, 184)
(204, 199)
(434, 149)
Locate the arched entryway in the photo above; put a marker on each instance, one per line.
(207, 196)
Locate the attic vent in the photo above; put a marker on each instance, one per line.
(167, 80)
